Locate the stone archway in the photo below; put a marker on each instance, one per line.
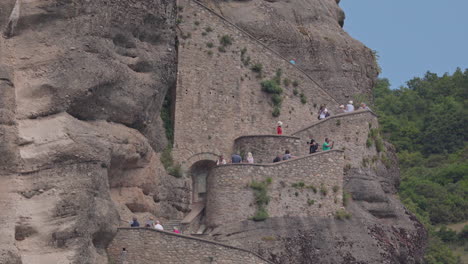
(199, 172)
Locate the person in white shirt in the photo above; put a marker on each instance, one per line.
(349, 107)
(250, 158)
(158, 226)
(221, 161)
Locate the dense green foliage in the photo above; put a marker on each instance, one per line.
(166, 116)
(261, 198)
(427, 122)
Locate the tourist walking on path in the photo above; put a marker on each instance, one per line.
(175, 230)
(277, 159)
(364, 107)
(134, 222)
(313, 146)
(236, 158)
(158, 226)
(323, 112)
(279, 129)
(342, 109)
(149, 223)
(287, 155)
(350, 107)
(221, 160)
(250, 158)
(327, 145)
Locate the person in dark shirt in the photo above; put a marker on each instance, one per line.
(313, 146)
(134, 223)
(277, 159)
(236, 158)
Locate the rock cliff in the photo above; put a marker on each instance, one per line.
(81, 87)
(309, 31)
(82, 84)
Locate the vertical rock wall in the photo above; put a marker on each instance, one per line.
(311, 32)
(81, 87)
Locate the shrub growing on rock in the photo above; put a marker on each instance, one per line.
(342, 214)
(225, 40)
(257, 67)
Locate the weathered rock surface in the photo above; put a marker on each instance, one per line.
(81, 87)
(309, 31)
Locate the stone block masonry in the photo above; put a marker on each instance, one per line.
(349, 131)
(231, 199)
(219, 96)
(149, 246)
(264, 148)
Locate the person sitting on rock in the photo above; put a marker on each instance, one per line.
(327, 145)
(175, 230)
(250, 158)
(277, 159)
(313, 146)
(350, 107)
(134, 222)
(279, 129)
(221, 160)
(158, 226)
(287, 155)
(364, 107)
(236, 158)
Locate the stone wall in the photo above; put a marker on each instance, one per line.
(231, 199)
(148, 246)
(219, 98)
(264, 148)
(349, 131)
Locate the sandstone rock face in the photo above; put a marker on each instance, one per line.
(81, 87)
(309, 31)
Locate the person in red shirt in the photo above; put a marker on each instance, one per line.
(279, 130)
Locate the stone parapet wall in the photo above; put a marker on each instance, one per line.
(264, 148)
(149, 246)
(231, 199)
(349, 131)
(219, 98)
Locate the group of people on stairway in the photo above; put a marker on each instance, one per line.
(324, 113)
(313, 145)
(150, 223)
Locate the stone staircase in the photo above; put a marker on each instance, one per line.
(172, 223)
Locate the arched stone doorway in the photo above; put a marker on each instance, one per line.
(199, 172)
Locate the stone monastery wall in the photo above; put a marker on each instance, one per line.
(219, 97)
(264, 148)
(349, 131)
(149, 246)
(231, 199)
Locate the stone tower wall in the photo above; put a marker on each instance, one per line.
(349, 131)
(218, 98)
(231, 199)
(149, 246)
(264, 148)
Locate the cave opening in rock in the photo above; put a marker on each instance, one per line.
(199, 172)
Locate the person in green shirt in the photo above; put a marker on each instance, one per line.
(327, 145)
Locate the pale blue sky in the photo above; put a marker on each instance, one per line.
(411, 36)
